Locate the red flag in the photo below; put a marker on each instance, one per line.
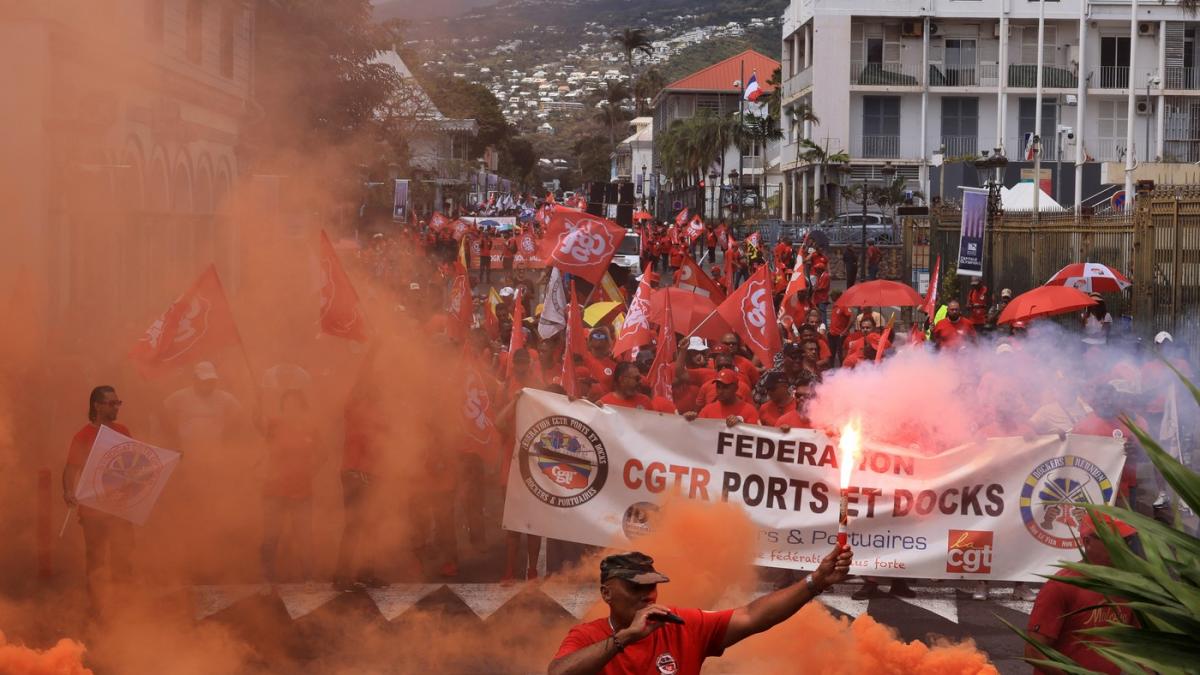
(692, 277)
(584, 245)
(884, 340)
(341, 312)
(478, 429)
(197, 324)
(750, 311)
(458, 304)
(730, 245)
(461, 228)
(636, 330)
(931, 294)
(573, 344)
(491, 322)
(681, 218)
(662, 371)
(516, 339)
(797, 283)
(437, 221)
(695, 229)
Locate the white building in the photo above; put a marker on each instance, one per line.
(634, 158)
(894, 82)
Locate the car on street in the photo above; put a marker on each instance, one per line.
(847, 228)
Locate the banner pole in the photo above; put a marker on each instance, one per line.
(66, 520)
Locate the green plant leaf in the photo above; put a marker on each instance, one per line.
(1185, 483)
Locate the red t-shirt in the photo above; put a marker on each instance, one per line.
(708, 392)
(821, 290)
(291, 460)
(769, 413)
(874, 254)
(950, 334)
(1062, 610)
(794, 419)
(640, 401)
(676, 649)
(719, 411)
(81, 442)
(839, 321)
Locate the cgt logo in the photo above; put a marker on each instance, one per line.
(969, 552)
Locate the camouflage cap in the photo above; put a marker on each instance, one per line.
(636, 567)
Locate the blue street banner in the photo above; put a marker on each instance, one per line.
(400, 204)
(974, 220)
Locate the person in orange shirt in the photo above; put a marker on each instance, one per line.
(977, 302)
(627, 381)
(728, 406)
(779, 402)
(953, 330)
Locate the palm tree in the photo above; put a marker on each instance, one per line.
(610, 106)
(632, 40)
(648, 84)
(814, 153)
(759, 132)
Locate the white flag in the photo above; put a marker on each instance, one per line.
(554, 309)
(124, 477)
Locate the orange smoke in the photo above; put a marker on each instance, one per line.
(64, 658)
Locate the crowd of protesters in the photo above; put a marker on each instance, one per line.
(417, 264)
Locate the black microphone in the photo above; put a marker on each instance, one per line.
(667, 617)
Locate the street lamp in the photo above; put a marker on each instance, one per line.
(736, 187)
(643, 188)
(713, 177)
(990, 170)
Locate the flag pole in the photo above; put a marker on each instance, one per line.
(66, 520)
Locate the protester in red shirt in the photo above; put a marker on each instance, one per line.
(485, 257)
(744, 365)
(874, 259)
(953, 331)
(1063, 611)
(364, 428)
(708, 390)
(783, 254)
(107, 540)
(639, 636)
(779, 402)
(820, 293)
(627, 380)
(291, 462)
(977, 302)
(728, 406)
(839, 325)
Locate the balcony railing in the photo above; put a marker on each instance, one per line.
(1106, 149)
(1112, 77)
(957, 76)
(750, 162)
(885, 74)
(1016, 146)
(1179, 77)
(960, 146)
(1181, 151)
(1053, 77)
(879, 147)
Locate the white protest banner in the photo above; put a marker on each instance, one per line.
(124, 477)
(1001, 509)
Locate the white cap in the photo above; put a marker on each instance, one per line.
(506, 291)
(697, 344)
(1163, 336)
(1004, 349)
(205, 370)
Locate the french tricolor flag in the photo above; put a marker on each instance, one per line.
(753, 91)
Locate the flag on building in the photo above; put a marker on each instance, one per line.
(124, 477)
(195, 326)
(341, 311)
(753, 90)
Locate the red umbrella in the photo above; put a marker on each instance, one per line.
(688, 310)
(1044, 301)
(642, 215)
(1091, 278)
(880, 293)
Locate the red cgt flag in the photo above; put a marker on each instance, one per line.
(681, 218)
(193, 327)
(662, 371)
(797, 283)
(695, 229)
(575, 343)
(341, 312)
(438, 222)
(636, 330)
(692, 277)
(458, 304)
(581, 244)
(750, 311)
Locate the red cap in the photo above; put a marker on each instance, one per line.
(1088, 526)
(727, 376)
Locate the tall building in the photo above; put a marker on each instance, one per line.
(716, 89)
(121, 124)
(897, 82)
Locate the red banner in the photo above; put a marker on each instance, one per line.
(750, 311)
(192, 328)
(341, 311)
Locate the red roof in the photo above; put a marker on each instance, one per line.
(720, 76)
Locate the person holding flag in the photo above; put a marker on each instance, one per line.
(107, 539)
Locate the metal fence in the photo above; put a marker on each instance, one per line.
(1157, 246)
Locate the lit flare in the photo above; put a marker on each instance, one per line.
(849, 450)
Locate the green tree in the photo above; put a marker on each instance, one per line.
(632, 41)
(457, 98)
(648, 84)
(610, 107)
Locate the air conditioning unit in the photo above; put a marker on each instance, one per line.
(1144, 107)
(911, 28)
(934, 30)
(1147, 28)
